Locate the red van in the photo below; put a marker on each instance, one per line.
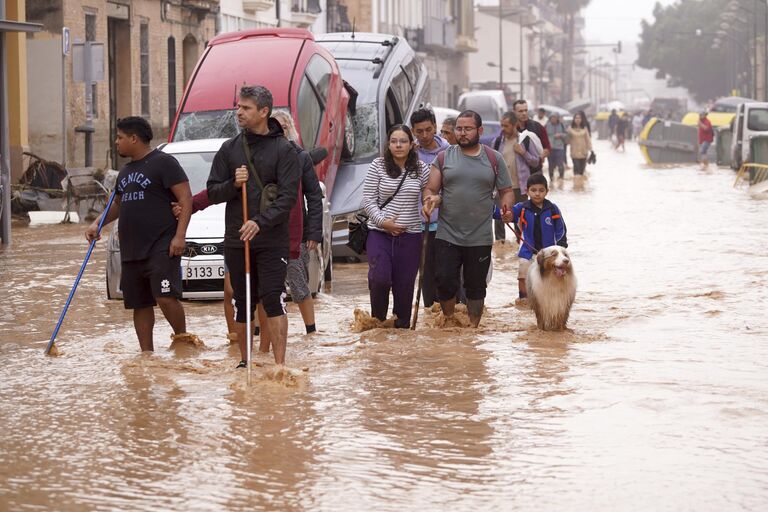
(302, 76)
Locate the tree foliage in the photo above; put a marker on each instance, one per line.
(671, 46)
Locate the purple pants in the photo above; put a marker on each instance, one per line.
(393, 262)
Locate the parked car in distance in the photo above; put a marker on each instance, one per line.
(490, 104)
(391, 82)
(751, 120)
(443, 113)
(202, 265)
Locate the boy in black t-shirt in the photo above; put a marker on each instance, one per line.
(151, 239)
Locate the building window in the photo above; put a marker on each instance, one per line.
(171, 80)
(90, 35)
(144, 62)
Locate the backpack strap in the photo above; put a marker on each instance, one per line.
(491, 154)
(440, 159)
(497, 142)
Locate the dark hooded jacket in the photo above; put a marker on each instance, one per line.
(276, 161)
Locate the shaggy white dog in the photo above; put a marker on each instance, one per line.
(551, 287)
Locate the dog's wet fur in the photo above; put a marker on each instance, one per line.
(551, 287)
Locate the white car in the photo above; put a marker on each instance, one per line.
(202, 264)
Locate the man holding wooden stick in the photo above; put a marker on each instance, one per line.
(263, 160)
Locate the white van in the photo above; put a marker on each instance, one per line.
(751, 119)
(490, 104)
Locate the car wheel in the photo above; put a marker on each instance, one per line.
(349, 137)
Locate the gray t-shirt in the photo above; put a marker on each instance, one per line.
(467, 207)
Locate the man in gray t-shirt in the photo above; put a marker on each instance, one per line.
(466, 181)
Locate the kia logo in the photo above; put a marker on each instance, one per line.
(207, 249)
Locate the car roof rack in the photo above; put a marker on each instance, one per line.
(379, 61)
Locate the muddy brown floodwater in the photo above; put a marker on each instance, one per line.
(656, 399)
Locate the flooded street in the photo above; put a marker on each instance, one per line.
(657, 399)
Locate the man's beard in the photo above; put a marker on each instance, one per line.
(471, 143)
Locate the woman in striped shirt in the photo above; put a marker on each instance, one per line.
(391, 195)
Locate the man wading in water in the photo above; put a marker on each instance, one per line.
(466, 177)
(151, 240)
(272, 156)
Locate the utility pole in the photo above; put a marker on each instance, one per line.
(501, 62)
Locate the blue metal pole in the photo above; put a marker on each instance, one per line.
(79, 275)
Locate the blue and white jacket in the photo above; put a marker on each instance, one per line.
(550, 219)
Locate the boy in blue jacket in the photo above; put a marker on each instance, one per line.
(541, 224)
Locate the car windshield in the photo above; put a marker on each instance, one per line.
(197, 166)
(211, 124)
(724, 107)
(758, 120)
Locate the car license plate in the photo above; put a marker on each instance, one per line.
(203, 272)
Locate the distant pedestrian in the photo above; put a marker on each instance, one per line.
(581, 145)
(520, 156)
(647, 117)
(613, 121)
(541, 116)
(462, 183)
(558, 136)
(622, 126)
(428, 146)
(151, 239)
(447, 130)
(520, 108)
(706, 137)
(637, 125)
(391, 193)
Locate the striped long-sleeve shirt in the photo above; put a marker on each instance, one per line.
(405, 205)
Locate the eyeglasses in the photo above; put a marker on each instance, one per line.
(465, 129)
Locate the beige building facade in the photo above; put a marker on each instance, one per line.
(149, 47)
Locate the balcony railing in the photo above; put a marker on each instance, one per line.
(257, 5)
(305, 12)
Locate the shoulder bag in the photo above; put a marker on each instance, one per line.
(268, 193)
(358, 229)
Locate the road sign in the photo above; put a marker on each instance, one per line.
(65, 41)
(97, 62)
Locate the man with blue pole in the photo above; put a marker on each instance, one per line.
(151, 239)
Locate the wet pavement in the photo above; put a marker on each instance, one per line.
(655, 399)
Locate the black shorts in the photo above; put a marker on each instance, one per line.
(448, 262)
(269, 266)
(157, 276)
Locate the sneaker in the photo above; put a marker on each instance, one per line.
(242, 364)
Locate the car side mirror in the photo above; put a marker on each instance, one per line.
(318, 154)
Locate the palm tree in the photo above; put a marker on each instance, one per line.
(569, 9)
